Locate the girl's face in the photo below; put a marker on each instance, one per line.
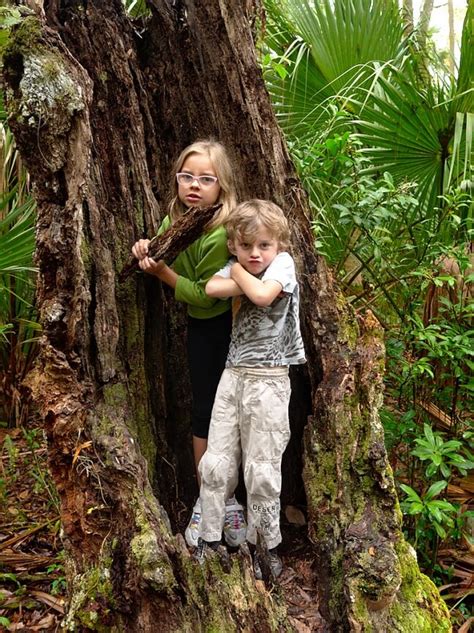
(196, 194)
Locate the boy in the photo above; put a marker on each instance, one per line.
(250, 414)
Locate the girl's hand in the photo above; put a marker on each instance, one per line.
(151, 267)
(140, 250)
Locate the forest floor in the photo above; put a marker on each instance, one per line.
(32, 582)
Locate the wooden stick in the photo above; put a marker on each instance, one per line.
(176, 239)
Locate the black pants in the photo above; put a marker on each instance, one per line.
(208, 345)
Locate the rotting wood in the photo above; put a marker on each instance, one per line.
(186, 230)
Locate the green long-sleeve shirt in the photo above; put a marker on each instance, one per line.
(195, 266)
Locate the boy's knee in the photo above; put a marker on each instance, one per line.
(213, 470)
(263, 479)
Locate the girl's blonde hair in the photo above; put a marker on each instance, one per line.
(217, 154)
(248, 217)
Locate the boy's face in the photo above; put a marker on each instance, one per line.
(255, 256)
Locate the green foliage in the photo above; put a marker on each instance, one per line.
(398, 427)
(441, 455)
(382, 137)
(58, 585)
(9, 16)
(327, 49)
(435, 517)
(11, 450)
(433, 514)
(373, 231)
(353, 58)
(439, 346)
(43, 483)
(18, 324)
(136, 8)
(3, 493)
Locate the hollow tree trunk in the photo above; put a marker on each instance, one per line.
(100, 107)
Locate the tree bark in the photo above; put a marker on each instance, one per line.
(100, 107)
(167, 246)
(424, 23)
(408, 17)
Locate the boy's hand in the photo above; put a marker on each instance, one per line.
(262, 293)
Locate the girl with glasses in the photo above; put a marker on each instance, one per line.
(202, 176)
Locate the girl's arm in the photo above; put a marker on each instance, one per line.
(261, 293)
(222, 288)
(159, 269)
(211, 255)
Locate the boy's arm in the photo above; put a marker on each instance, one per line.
(261, 293)
(222, 288)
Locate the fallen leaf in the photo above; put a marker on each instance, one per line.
(304, 595)
(294, 515)
(51, 601)
(466, 627)
(300, 627)
(44, 624)
(467, 483)
(79, 449)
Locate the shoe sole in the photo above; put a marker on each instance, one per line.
(233, 542)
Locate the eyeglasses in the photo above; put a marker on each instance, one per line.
(203, 181)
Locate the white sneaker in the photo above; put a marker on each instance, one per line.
(235, 526)
(192, 531)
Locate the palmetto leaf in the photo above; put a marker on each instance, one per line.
(330, 49)
(351, 72)
(136, 8)
(411, 132)
(18, 329)
(17, 239)
(351, 54)
(465, 83)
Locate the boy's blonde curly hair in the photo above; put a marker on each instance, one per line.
(248, 217)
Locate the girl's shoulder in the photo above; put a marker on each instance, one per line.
(165, 224)
(213, 245)
(216, 235)
(218, 231)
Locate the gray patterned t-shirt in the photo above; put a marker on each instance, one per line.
(267, 336)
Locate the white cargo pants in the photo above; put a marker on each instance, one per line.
(250, 423)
